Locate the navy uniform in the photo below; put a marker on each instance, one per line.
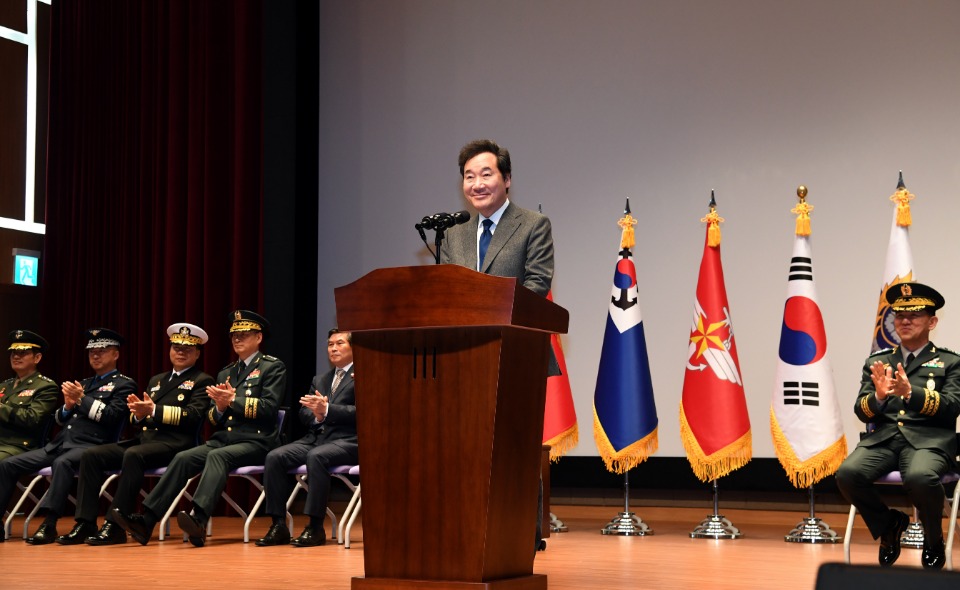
(96, 419)
(180, 404)
(26, 403)
(245, 431)
(327, 443)
(914, 434)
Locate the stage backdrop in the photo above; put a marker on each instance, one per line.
(660, 102)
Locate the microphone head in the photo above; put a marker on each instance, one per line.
(460, 217)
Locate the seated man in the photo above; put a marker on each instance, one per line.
(910, 395)
(166, 422)
(27, 400)
(92, 413)
(244, 410)
(329, 413)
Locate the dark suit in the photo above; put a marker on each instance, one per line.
(246, 430)
(332, 443)
(521, 247)
(918, 438)
(181, 404)
(96, 420)
(25, 410)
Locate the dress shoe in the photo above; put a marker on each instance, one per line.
(890, 540)
(277, 535)
(46, 534)
(135, 524)
(195, 530)
(934, 555)
(109, 534)
(78, 533)
(310, 537)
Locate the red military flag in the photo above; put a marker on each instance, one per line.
(559, 415)
(714, 423)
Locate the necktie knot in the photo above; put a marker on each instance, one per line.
(337, 377)
(485, 237)
(910, 358)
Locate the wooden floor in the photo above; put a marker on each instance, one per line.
(578, 559)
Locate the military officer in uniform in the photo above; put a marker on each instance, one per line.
(27, 400)
(329, 413)
(92, 414)
(910, 399)
(243, 409)
(167, 419)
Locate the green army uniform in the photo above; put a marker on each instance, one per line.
(26, 406)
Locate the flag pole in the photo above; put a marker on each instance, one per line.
(715, 526)
(626, 523)
(812, 529)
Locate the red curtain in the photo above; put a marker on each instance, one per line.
(154, 177)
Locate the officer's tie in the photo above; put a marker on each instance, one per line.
(337, 378)
(484, 242)
(910, 358)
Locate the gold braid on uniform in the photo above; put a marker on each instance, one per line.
(250, 408)
(931, 402)
(212, 417)
(171, 415)
(865, 406)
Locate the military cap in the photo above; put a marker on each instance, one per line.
(102, 338)
(187, 334)
(243, 320)
(27, 340)
(913, 297)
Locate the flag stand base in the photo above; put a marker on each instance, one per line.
(913, 536)
(715, 526)
(812, 530)
(557, 525)
(627, 524)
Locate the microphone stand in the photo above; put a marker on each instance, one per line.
(438, 241)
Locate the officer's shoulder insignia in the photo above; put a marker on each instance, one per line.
(43, 378)
(947, 350)
(230, 366)
(270, 358)
(879, 352)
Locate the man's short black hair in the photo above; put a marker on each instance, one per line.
(336, 330)
(482, 146)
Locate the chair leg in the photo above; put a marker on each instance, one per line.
(954, 525)
(849, 534)
(353, 517)
(165, 520)
(8, 525)
(351, 506)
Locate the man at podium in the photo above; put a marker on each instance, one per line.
(505, 240)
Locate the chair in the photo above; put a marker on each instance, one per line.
(950, 505)
(342, 532)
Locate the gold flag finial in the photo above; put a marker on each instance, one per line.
(713, 221)
(802, 211)
(902, 198)
(626, 223)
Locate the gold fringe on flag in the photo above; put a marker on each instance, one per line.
(563, 443)
(713, 221)
(902, 198)
(627, 239)
(803, 474)
(710, 467)
(627, 458)
(802, 211)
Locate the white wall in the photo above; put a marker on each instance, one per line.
(660, 102)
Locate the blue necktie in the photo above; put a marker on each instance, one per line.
(484, 241)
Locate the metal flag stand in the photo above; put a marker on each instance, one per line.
(812, 529)
(626, 523)
(715, 526)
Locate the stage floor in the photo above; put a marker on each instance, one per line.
(575, 560)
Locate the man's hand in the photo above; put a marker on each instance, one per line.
(882, 376)
(222, 395)
(140, 408)
(72, 393)
(901, 386)
(317, 403)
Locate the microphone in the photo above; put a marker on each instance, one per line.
(443, 220)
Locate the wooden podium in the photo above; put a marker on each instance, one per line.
(450, 381)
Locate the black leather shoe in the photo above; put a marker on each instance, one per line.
(135, 524)
(109, 534)
(46, 534)
(78, 533)
(934, 555)
(277, 535)
(310, 537)
(890, 540)
(196, 531)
